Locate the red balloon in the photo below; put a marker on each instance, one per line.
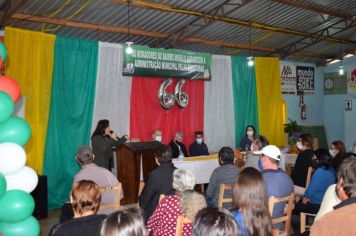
(10, 87)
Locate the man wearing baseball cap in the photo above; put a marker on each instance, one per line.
(278, 183)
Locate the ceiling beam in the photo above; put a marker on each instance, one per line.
(317, 8)
(125, 30)
(227, 20)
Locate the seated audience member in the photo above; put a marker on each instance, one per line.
(225, 174)
(248, 138)
(215, 222)
(178, 148)
(185, 202)
(198, 148)
(157, 135)
(353, 148)
(85, 200)
(251, 213)
(330, 200)
(338, 152)
(97, 174)
(277, 182)
(322, 178)
(303, 162)
(126, 222)
(341, 221)
(159, 181)
(254, 160)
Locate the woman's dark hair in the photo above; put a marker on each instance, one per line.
(339, 145)
(215, 222)
(307, 140)
(124, 222)
(251, 200)
(164, 154)
(261, 141)
(100, 128)
(254, 131)
(323, 157)
(226, 154)
(348, 174)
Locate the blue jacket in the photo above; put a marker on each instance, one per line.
(321, 179)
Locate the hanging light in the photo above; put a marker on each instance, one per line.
(341, 70)
(129, 49)
(250, 61)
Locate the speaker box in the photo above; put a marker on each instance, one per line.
(39, 194)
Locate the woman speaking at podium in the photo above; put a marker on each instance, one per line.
(104, 141)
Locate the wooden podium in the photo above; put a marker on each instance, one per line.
(129, 156)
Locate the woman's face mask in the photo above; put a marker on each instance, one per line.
(333, 152)
(299, 145)
(249, 133)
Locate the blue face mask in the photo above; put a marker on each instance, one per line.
(260, 165)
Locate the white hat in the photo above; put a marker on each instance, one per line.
(271, 151)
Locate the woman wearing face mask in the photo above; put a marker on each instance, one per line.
(303, 162)
(337, 151)
(250, 136)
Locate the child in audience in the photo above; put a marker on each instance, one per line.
(252, 213)
(215, 222)
(185, 202)
(124, 222)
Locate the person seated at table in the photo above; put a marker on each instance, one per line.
(185, 202)
(157, 135)
(225, 174)
(159, 181)
(248, 138)
(215, 222)
(251, 208)
(198, 148)
(338, 153)
(254, 160)
(123, 223)
(303, 162)
(177, 146)
(85, 200)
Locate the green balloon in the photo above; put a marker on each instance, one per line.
(3, 51)
(7, 106)
(2, 185)
(28, 227)
(15, 130)
(16, 205)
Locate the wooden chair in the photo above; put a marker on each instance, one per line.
(223, 188)
(140, 187)
(118, 190)
(181, 220)
(287, 217)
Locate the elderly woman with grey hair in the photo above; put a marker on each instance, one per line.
(185, 202)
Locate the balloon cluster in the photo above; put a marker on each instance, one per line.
(16, 179)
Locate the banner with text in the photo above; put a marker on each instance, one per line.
(351, 81)
(288, 78)
(156, 62)
(305, 80)
(335, 83)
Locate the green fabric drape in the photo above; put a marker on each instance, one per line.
(245, 98)
(71, 110)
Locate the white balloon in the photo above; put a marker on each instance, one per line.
(26, 179)
(12, 158)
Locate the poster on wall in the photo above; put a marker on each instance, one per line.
(335, 83)
(351, 81)
(288, 79)
(157, 62)
(305, 80)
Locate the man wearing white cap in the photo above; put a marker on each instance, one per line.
(278, 183)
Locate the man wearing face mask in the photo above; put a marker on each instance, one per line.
(157, 135)
(198, 148)
(177, 146)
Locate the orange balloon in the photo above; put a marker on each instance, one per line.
(10, 87)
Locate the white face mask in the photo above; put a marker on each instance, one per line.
(199, 140)
(249, 133)
(299, 145)
(158, 138)
(332, 152)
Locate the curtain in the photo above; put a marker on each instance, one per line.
(30, 63)
(269, 97)
(71, 111)
(112, 100)
(219, 127)
(146, 113)
(245, 98)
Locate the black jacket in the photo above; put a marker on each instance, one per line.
(175, 150)
(159, 182)
(300, 170)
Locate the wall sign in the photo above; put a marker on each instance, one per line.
(334, 83)
(288, 79)
(305, 80)
(348, 105)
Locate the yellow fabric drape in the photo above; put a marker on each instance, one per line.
(30, 63)
(269, 97)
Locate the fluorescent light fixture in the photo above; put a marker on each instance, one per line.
(341, 70)
(348, 55)
(129, 49)
(333, 61)
(250, 61)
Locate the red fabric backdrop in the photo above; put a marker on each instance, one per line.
(146, 113)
